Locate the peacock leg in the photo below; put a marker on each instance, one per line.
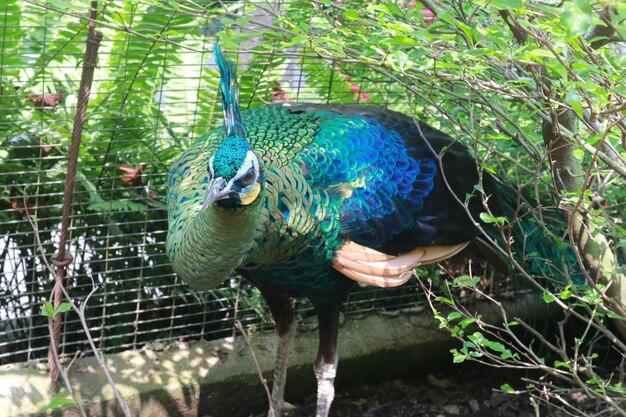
(283, 314)
(326, 362)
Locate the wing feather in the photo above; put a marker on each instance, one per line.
(368, 266)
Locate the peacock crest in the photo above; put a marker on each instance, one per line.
(233, 151)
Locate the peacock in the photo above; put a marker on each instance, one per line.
(306, 200)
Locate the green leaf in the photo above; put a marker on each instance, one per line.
(351, 14)
(94, 197)
(58, 402)
(47, 309)
(456, 331)
(478, 338)
(299, 39)
(538, 52)
(488, 218)
(489, 169)
(444, 300)
(577, 17)
(457, 356)
(566, 293)
(64, 307)
(453, 315)
(548, 298)
(466, 322)
(120, 205)
(578, 154)
(507, 4)
(577, 107)
(402, 41)
(507, 388)
(594, 139)
(399, 60)
(466, 280)
(459, 359)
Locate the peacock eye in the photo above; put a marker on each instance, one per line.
(249, 177)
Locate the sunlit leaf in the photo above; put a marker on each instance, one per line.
(508, 4)
(57, 402)
(577, 17)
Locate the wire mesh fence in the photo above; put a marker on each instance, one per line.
(154, 92)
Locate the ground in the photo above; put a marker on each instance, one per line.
(464, 391)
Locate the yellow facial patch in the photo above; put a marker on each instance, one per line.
(252, 194)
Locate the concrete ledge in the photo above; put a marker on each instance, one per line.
(218, 378)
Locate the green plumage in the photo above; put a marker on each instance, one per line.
(196, 250)
(286, 239)
(290, 196)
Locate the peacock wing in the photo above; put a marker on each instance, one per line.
(385, 193)
(371, 267)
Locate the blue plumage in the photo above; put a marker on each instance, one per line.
(303, 200)
(379, 186)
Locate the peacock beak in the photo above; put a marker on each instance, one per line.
(217, 191)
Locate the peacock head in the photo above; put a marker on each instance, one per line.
(234, 169)
(235, 175)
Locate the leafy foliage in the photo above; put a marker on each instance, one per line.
(143, 110)
(537, 90)
(154, 92)
(498, 75)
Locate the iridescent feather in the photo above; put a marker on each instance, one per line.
(347, 193)
(230, 93)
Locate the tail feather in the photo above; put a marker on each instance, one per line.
(533, 234)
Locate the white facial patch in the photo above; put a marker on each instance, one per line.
(211, 167)
(250, 161)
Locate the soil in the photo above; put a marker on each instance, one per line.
(466, 391)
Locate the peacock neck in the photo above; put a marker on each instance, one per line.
(217, 241)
